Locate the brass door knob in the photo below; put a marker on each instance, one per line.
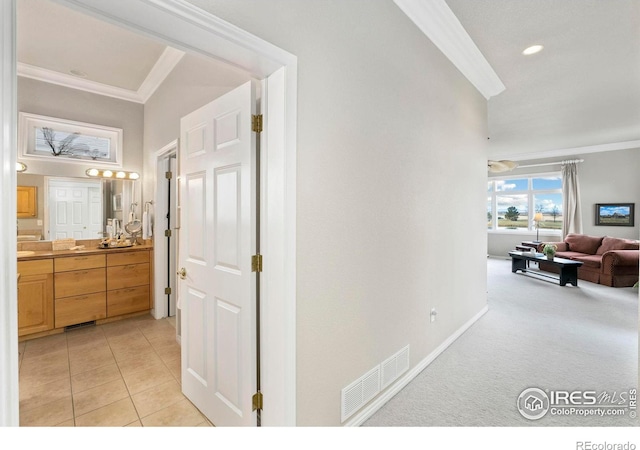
(183, 273)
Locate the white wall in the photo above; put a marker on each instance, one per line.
(193, 83)
(610, 177)
(606, 177)
(391, 183)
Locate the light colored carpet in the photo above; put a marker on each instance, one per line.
(536, 334)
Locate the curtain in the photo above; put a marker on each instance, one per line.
(571, 213)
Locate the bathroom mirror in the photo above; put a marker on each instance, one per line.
(75, 207)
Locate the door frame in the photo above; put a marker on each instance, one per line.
(159, 242)
(188, 28)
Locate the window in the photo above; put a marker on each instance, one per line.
(513, 202)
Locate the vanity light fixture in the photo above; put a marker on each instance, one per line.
(532, 50)
(121, 174)
(21, 167)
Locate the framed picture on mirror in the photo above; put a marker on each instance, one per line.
(117, 202)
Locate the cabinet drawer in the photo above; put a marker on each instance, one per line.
(123, 258)
(79, 309)
(131, 275)
(79, 282)
(128, 300)
(37, 267)
(79, 262)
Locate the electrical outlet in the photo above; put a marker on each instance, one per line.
(433, 314)
(39, 222)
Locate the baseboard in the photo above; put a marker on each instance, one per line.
(403, 381)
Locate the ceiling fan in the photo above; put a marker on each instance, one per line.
(501, 166)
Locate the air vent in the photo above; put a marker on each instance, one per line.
(358, 393)
(395, 366)
(79, 325)
(365, 388)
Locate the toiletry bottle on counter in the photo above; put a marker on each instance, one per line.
(109, 228)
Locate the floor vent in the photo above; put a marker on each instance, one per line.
(80, 325)
(395, 366)
(358, 393)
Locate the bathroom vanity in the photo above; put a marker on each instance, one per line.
(68, 288)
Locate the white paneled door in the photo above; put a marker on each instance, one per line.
(217, 201)
(75, 209)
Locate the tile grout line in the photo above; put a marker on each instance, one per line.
(73, 406)
(123, 380)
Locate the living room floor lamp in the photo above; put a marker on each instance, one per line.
(537, 219)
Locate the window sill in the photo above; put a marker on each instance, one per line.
(528, 233)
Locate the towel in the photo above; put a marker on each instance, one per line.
(147, 228)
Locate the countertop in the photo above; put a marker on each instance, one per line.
(88, 250)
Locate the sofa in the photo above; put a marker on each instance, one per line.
(605, 260)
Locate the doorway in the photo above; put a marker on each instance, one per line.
(172, 22)
(164, 212)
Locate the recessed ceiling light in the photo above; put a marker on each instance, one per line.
(78, 73)
(532, 50)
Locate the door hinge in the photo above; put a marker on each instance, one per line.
(167, 290)
(168, 175)
(256, 263)
(256, 400)
(256, 123)
(167, 233)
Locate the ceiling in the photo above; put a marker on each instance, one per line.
(580, 94)
(55, 44)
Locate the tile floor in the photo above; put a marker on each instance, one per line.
(124, 373)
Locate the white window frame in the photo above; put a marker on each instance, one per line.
(530, 192)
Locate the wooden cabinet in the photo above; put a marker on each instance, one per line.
(27, 205)
(80, 289)
(71, 289)
(35, 296)
(128, 280)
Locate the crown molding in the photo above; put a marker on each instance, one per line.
(436, 20)
(162, 68)
(574, 151)
(61, 79)
(207, 34)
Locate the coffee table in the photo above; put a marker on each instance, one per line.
(568, 267)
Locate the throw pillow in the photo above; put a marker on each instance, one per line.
(611, 243)
(583, 243)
